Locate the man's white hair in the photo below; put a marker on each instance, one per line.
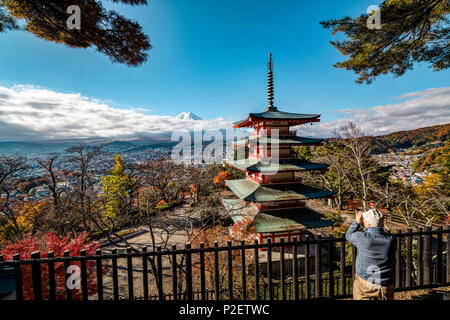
(374, 218)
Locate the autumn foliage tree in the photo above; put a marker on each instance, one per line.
(117, 188)
(50, 242)
(219, 180)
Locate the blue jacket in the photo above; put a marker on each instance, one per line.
(375, 259)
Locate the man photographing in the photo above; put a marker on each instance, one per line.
(375, 258)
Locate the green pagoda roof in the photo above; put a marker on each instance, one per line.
(252, 191)
(255, 165)
(294, 140)
(239, 210)
(292, 219)
(275, 220)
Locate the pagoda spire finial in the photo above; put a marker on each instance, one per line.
(270, 95)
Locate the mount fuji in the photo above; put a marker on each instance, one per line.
(188, 116)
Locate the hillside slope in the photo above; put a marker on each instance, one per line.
(410, 138)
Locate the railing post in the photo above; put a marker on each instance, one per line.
(256, 257)
(408, 259)
(188, 271)
(18, 272)
(419, 257)
(294, 269)
(282, 266)
(330, 269)
(318, 267)
(99, 270)
(67, 276)
(145, 272)
(342, 265)
(51, 277)
(160, 275)
(174, 273)
(114, 275)
(398, 258)
(230, 272)
(269, 268)
(36, 276)
(243, 272)
(439, 272)
(427, 257)
(448, 254)
(202, 271)
(216, 270)
(307, 269)
(84, 288)
(130, 274)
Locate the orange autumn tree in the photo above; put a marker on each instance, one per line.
(219, 180)
(242, 232)
(19, 218)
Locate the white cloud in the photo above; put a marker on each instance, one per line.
(418, 109)
(34, 113)
(30, 113)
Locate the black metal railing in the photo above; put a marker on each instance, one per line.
(313, 268)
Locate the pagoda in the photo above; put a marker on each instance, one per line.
(272, 195)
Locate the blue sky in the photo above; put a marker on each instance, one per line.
(210, 57)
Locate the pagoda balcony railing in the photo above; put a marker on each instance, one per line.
(282, 181)
(268, 133)
(314, 267)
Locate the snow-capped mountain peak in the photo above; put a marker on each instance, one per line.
(188, 116)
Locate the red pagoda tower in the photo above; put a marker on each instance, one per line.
(271, 194)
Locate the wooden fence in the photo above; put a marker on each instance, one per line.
(226, 272)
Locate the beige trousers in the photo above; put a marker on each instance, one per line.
(364, 290)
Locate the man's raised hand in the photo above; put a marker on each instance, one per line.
(358, 216)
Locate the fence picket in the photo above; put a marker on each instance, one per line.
(188, 256)
(130, 275)
(427, 277)
(145, 273)
(448, 254)
(419, 257)
(342, 267)
(216, 270)
(256, 258)
(243, 272)
(269, 268)
(114, 275)
(84, 288)
(398, 258)
(174, 273)
(307, 271)
(36, 275)
(202, 271)
(294, 269)
(330, 269)
(160, 274)
(439, 269)
(66, 285)
(408, 259)
(51, 277)
(318, 268)
(282, 266)
(18, 273)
